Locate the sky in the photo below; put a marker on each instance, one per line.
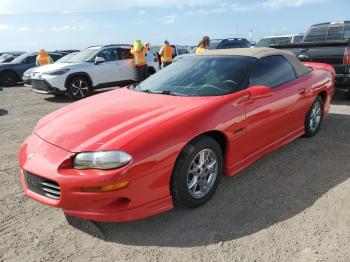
(28, 25)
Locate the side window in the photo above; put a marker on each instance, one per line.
(125, 54)
(317, 34)
(30, 59)
(335, 33)
(109, 54)
(346, 35)
(55, 57)
(272, 71)
(226, 46)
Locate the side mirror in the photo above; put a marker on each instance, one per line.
(99, 60)
(257, 92)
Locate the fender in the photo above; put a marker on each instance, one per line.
(84, 74)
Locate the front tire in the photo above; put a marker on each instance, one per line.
(314, 117)
(78, 88)
(197, 172)
(8, 78)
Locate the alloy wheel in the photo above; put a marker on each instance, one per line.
(202, 173)
(79, 89)
(315, 116)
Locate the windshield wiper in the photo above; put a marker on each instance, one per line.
(162, 92)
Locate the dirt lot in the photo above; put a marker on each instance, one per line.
(293, 205)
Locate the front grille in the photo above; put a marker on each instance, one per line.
(42, 186)
(41, 85)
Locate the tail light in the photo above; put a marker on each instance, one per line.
(346, 58)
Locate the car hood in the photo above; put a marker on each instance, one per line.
(110, 120)
(53, 67)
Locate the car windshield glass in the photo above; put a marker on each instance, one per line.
(83, 56)
(214, 44)
(19, 59)
(200, 76)
(266, 42)
(65, 58)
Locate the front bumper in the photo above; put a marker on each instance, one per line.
(42, 86)
(144, 196)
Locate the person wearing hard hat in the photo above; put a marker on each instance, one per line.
(139, 51)
(43, 58)
(166, 54)
(203, 45)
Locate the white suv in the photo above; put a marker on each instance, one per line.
(94, 67)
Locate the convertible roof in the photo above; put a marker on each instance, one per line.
(260, 52)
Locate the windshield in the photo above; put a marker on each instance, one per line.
(200, 76)
(266, 42)
(19, 59)
(83, 56)
(65, 58)
(214, 44)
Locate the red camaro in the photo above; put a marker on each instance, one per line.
(135, 152)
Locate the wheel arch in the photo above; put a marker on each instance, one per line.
(218, 136)
(19, 79)
(81, 74)
(323, 94)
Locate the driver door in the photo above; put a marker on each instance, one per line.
(274, 118)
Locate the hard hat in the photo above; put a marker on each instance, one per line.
(166, 42)
(147, 44)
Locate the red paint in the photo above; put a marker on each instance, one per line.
(153, 129)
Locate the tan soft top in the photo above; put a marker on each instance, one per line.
(260, 52)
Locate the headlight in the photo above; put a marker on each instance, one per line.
(101, 160)
(57, 72)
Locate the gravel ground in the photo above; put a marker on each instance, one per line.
(292, 205)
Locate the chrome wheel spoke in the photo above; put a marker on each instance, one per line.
(202, 173)
(193, 183)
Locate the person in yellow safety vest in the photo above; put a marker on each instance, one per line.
(43, 58)
(139, 51)
(166, 54)
(203, 45)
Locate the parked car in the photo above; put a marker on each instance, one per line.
(228, 43)
(11, 73)
(27, 74)
(281, 39)
(135, 152)
(327, 43)
(92, 68)
(9, 56)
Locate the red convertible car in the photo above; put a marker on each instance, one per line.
(137, 151)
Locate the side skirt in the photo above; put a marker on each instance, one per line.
(233, 170)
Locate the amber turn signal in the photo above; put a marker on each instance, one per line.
(107, 188)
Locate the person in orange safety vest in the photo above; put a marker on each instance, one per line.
(139, 51)
(43, 58)
(166, 54)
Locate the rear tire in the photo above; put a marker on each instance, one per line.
(314, 117)
(8, 78)
(78, 88)
(197, 172)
